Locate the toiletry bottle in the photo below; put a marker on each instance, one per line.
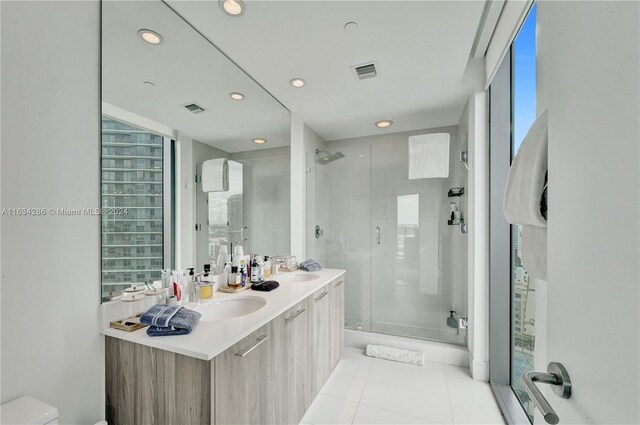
(243, 276)
(191, 282)
(255, 271)
(206, 291)
(226, 272)
(166, 281)
(260, 268)
(206, 288)
(267, 267)
(238, 277)
(184, 287)
(177, 291)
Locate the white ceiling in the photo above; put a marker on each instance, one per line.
(185, 68)
(422, 48)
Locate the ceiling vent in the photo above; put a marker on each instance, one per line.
(365, 71)
(194, 108)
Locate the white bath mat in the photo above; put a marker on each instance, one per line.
(395, 354)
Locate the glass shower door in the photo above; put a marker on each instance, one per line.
(343, 190)
(411, 243)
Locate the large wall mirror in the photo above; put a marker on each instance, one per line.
(170, 102)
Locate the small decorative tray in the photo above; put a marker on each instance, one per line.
(230, 290)
(284, 268)
(129, 324)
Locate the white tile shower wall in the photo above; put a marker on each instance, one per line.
(266, 193)
(314, 180)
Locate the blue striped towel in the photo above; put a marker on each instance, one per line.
(169, 320)
(310, 265)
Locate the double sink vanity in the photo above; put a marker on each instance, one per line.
(254, 358)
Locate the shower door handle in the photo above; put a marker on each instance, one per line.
(378, 235)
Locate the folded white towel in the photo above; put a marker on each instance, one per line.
(527, 175)
(215, 175)
(395, 354)
(429, 156)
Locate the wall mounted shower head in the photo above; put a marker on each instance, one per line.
(324, 157)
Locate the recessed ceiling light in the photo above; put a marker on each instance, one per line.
(297, 82)
(350, 26)
(259, 141)
(232, 7)
(384, 123)
(150, 37)
(236, 96)
(149, 84)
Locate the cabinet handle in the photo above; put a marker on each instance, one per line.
(338, 283)
(296, 314)
(321, 296)
(260, 340)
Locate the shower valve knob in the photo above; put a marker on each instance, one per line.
(463, 323)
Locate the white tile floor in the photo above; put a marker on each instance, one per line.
(363, 390)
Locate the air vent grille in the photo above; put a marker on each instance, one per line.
(366, 71)
(195, 108)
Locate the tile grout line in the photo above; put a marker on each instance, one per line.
(446, 379)
(398, 413)
(366, 381)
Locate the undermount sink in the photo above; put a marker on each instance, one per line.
(297, 277)
(229, 308)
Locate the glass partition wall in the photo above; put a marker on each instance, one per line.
(406, 266)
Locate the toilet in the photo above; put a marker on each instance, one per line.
(28, 410)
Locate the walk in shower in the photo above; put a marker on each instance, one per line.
(406, 265)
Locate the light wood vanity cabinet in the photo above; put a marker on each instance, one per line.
(243, 394)
(269, 377)
(319, 334)
(146, 385)
(336, 320)
(289, 367)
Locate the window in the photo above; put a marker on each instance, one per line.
(140, 189)
(523, 112)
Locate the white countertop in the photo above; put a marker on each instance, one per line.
(208, 339)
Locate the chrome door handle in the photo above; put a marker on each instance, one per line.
(321, 296)
(260, 340)
(557, 376)
(378, 235)
(296, 314)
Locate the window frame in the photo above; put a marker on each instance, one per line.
(501, 254)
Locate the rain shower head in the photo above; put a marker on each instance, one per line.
(324, 157)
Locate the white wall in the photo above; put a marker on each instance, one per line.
(51, 347)
(475, 122)
(298, 183)
(589, 62)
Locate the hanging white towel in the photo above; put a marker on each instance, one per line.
(215, 175)
(429, 156)
(533, 251)
(525, 197)
(527, 177)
